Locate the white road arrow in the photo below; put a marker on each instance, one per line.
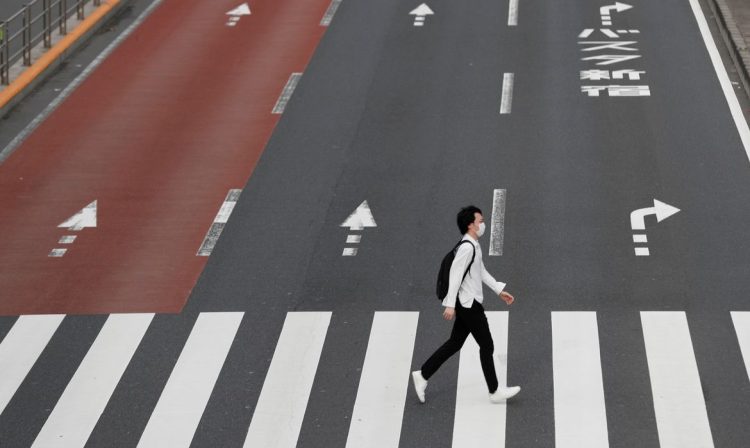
(619, 7)
(421, 14)
(660, 209)
(242, 10)
(237, 13)
(84, 218)
(361, 218)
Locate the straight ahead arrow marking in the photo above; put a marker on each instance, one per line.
(86, 217)
(360, 218)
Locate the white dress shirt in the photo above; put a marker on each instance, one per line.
(471, 288)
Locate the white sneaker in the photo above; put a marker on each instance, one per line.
(504, 393)
(420, 384)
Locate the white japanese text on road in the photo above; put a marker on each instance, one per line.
(615, 49)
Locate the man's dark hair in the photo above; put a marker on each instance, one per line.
(466, 217)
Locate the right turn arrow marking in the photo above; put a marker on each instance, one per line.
(638, 222)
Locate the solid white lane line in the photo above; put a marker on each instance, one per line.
(721, 73)
(580, 412)
(86, 395)
(16, 142)
(286, 94)
(507, 98)
(678, 398)
(742, 328)
(497, 229)
(477, 421)
(20, 349)
(513, 13)
(214, 232)
(281, 406)
(330, 12)
(379, 407)
(184, 397)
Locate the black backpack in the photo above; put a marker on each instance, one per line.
(445, 270)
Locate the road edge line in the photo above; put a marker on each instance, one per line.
(723, 77)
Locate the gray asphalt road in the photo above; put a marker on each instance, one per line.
(408, 119)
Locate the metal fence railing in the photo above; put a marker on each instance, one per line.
(32, 25)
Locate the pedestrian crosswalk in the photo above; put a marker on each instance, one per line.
(377, 409)
(580, 414)
(477, 423)
(188, 389)
(289, 381)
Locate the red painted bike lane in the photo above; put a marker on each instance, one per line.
(178, 115)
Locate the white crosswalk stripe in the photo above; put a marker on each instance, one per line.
(20, 349)
(681, 416)
(278, 415)
(87, 393)
(379, 407)
(186, 393)
(580, 413)
(478, 422)
(741, 322)
(384, 389)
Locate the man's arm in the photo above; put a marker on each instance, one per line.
(490, 281)
(496, 286)
(458, 268)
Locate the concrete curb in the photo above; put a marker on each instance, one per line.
(738, 47)
(54, 57)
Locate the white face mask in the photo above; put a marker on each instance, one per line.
(481, 230)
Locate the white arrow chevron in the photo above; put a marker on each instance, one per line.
(660, 209)
(619, 7)
(361, 218)
(86, 217)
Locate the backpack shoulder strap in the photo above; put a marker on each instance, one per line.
(473, 254)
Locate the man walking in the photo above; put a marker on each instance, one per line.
(466, 286)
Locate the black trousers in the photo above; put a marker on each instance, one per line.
(467, 321)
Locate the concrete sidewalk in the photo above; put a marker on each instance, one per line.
(734, 15)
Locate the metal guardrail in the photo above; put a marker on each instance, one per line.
(32, 25)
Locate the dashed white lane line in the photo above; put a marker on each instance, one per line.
(330, 12)
(286, 94)
(497, 229)
(507, 97)
(513, 13)
(214, 232)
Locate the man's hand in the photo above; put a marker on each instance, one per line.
(506, 297)
(449, 313)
